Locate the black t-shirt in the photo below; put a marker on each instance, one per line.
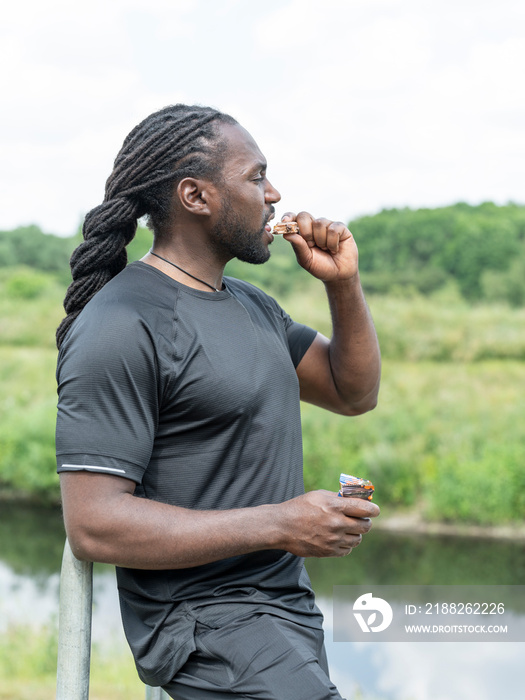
(194, 396)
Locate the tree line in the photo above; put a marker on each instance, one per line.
(480, 249)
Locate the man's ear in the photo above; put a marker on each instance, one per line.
(197, 196)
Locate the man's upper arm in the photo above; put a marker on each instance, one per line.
(108, 398)
(315, 377)
(318, 386)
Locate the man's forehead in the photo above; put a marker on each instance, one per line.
(242, 150)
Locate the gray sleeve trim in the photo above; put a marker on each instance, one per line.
(63, 467)
(101, 464)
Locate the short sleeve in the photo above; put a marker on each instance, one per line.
(300, 338)
(108, 389)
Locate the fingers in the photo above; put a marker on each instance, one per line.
(327, 234)
(321, 233)
(321, 524)
(358, 526)
(359, 508)
(347, 548)
(358, 522)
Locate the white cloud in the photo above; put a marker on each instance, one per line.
(358, 104)
(73, 94)
(437, 662)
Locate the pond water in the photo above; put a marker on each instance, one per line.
(32, 539)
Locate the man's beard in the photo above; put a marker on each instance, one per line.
(232, 234)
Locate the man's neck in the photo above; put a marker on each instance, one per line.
(188, 259)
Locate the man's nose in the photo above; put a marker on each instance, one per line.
(272, 195)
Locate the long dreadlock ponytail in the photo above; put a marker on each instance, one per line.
(176, 142)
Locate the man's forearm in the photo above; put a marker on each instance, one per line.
(145, 534)
(341, 374)
(354, 354)
(105, 522)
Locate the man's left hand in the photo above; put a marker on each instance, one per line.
(326, 249)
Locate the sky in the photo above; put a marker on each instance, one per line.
(358, 105)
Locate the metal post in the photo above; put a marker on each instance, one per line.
(156, 694)
(74, 630)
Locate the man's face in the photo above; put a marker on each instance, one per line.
(247, 198)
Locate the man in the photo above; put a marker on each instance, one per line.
(178, 432)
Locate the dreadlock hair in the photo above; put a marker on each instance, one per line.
(176, 142)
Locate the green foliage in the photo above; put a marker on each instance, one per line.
(402, 252)
(28, 658)
(444, 328)
(29, 246)
(27, 417)
(140, 245)
(447, 438)
(441, 435)
(25, 283)
(478, 488)
(450, 402)
(425, 248)
(509, 286)
(452, 387)
(26, 653)
(30, 307)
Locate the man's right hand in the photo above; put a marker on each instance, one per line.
(105, 522)
(322, 524)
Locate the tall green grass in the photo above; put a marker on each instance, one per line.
(30, 307)
(28, 663)
(447, 437)
(27, 421)
(439, 328)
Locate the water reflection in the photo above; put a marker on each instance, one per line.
(429, 671)
(387, 558)
(31, 550)
(33, 602)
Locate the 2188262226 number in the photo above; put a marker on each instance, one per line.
(464, 608)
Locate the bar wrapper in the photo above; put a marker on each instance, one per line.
(354, 487)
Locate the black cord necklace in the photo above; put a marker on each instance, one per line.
(185, 272)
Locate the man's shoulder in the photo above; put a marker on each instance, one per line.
(136, 280)
(132, 292)
(240, 288)
(129, 306)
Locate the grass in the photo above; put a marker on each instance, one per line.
(29, 314)
(449, 424)
(444, 329)
(447, 437)
(27, 418)
(438, 328)
(28, 660)
(441, 431)
(441, 435)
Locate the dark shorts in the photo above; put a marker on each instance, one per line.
(263, 657)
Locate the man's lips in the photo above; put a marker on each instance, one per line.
(271, 216)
